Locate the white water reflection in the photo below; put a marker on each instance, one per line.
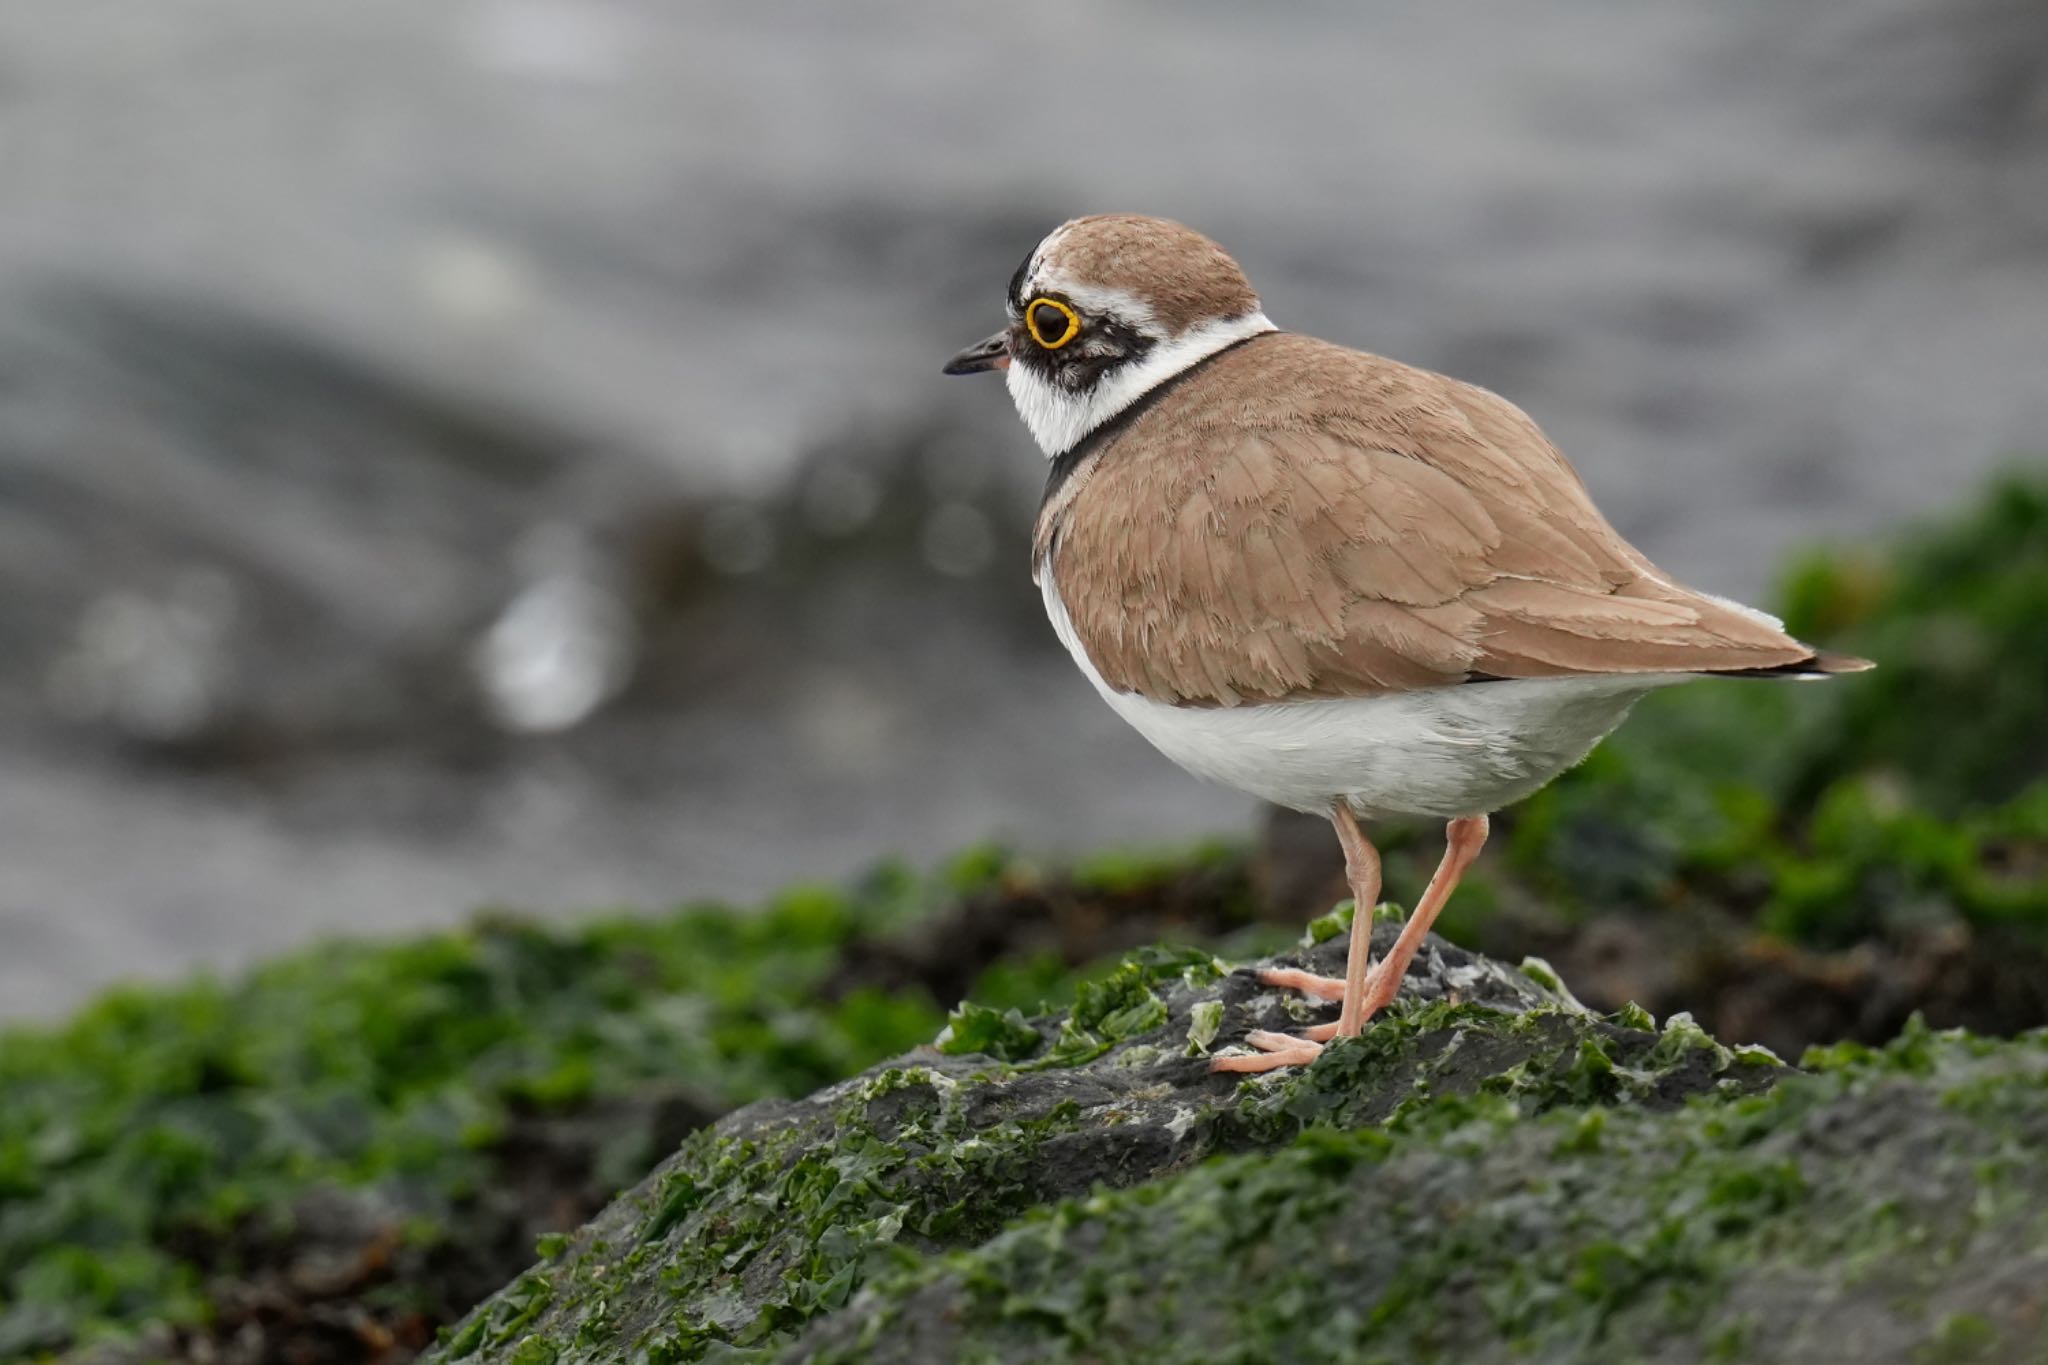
(563, 646)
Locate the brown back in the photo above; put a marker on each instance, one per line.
(1303, 521)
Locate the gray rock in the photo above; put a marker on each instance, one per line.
(771, 1221)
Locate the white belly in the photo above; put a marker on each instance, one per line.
(1441, 752)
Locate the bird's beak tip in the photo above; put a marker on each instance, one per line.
(992, 353)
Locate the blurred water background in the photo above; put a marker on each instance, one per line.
(493, 451)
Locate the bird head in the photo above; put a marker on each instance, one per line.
(1104, 309)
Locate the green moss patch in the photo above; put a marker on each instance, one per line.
(782, 1213)
(169, 1139)
(351, 1146)
(1887, 1208)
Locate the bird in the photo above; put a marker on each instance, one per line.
(1336, 582)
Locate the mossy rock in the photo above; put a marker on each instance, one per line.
(1886, 1209)
(1099, 1158)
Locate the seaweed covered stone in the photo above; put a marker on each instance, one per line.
(1887, 1208)
(819, 1225)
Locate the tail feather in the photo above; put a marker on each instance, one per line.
(1821, 663)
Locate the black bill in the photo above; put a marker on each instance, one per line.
(992, 354)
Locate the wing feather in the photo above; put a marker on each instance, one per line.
(1307, 521)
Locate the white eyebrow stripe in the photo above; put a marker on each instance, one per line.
(1103, 301)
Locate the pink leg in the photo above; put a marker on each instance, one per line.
(1362, 869)
(1464, 837)
(1362, 863)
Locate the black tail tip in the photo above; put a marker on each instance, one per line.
(1819, 664)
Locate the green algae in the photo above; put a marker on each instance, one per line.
(1107, 1007)
(1470, 1226)
(783, 1218)
(149, 1139)
(976, 1029)
(1105, 1013)
(1124, 871)
(1954, 612)
(1204, 1022)
(748, 1238)
(161, 1123)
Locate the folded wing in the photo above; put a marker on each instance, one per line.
(1314, 522)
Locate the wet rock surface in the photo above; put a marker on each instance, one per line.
(773, 1219)
(1884, 1209)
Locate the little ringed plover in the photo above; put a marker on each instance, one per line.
(1328, 579)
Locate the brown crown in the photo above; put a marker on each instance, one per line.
(1185, 277)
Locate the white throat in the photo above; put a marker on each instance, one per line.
(1059, 419)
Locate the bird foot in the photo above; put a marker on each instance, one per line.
(1275, 1050)
(1329, 988)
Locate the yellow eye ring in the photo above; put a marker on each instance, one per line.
(1031, 323)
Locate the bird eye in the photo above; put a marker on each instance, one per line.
(1052, 324)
